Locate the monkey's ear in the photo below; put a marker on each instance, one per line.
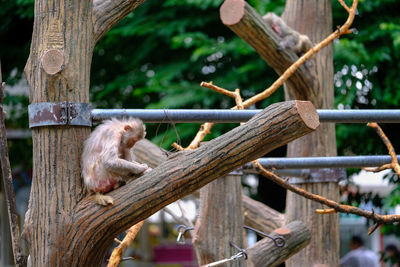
(127, 128)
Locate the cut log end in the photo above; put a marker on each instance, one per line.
(308, 113)
(232, 11)
(282, 231)
(53, 61)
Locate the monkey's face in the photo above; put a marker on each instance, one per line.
(131, 141)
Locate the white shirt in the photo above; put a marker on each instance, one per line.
(360, 257)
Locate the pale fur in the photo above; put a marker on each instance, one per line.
(106, 160)
(299, 43)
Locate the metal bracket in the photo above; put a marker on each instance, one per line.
(59, 113)
(321, 176)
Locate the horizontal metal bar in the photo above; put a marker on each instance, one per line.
(227, 115)
(177, 115)
(325, 162)
(359, 115)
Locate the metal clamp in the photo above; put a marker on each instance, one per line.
(182, 229)
(320, 176)
(59, 113)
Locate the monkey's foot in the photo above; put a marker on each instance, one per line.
(103, 200)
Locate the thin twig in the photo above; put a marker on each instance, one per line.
(395, 164)
(325, 211)
(377, 218)
(344, 5)
(205, 129)
(179, 219)
(19, 257)
(177, 147)
(217, 89)
(344, 29)
(116, 255)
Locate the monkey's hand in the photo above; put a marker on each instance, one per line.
(147, 170)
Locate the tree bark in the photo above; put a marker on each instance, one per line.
(266, 253)
(58, 69)
(182, 174)
(314, 18)
(220, 220)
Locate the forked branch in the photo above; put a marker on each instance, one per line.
(395, 163)
(345, 29)
(107, 13)
(377, 218)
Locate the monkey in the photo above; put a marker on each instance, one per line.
(298, 43)
(107, 160)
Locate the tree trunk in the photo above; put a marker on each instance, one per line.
(314, 18)
(58, 69)
(64, 28)
(220, 220)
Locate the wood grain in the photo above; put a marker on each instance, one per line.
(266, 253)
(70, 30)
(314, 18)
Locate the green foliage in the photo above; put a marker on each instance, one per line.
(158, 55)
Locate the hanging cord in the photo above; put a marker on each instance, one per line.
(165, 132)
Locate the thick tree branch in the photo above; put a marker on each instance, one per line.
(261, 217)
(243, 20)
(107, 13)
(266, 253)
(183, 174)
(256, 214)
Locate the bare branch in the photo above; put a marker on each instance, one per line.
(116, 255)
(291, 70)
(377, 218)
(107, 13)
(395, 164)
(19, 257)
(344, 5)
(217, 89)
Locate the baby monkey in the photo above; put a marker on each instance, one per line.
(291, 39)
(107, 158)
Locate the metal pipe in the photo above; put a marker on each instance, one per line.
(325, 162)
(236, 116)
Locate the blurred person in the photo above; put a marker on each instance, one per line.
(391, 256)
(359, 256)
